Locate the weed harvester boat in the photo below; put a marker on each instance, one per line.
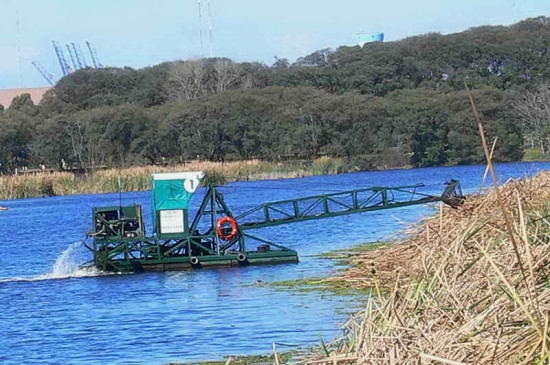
(214, 236)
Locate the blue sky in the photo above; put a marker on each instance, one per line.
(138, 33)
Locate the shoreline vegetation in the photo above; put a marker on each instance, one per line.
(139, 178)
(459, 289)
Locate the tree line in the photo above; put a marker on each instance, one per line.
(383, 105)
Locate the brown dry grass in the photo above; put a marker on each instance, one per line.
(456, 293)
(139, 178)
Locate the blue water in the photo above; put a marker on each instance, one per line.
(48, 317)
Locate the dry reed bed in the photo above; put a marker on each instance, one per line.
(138, 178)
(455, 292)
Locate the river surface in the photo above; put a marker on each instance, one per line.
(51, 312)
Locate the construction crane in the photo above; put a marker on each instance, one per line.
(217, 237)
(48, 76)
(93, 56)
(72, 56)
(79, 56)
(65, 67)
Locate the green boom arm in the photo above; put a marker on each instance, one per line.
(343, 203)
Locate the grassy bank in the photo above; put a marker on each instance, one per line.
(459, 290)
(138, 178)
(534, 154)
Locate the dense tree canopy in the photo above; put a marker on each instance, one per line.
(382, 105)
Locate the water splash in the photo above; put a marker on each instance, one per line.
(66, 266)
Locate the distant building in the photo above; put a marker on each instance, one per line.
(363, 38)
(7, 95)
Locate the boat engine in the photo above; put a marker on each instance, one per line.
(117, 222)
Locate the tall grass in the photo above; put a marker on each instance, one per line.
(328, 165)
(457, 294)
(534, 154)
(138, 178)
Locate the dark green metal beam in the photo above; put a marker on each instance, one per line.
(359, 201)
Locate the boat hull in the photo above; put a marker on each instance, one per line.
(175, 263)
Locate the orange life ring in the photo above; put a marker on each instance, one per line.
(234, 228)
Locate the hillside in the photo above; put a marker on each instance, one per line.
(381, 106)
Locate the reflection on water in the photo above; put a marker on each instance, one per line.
(189, 315)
